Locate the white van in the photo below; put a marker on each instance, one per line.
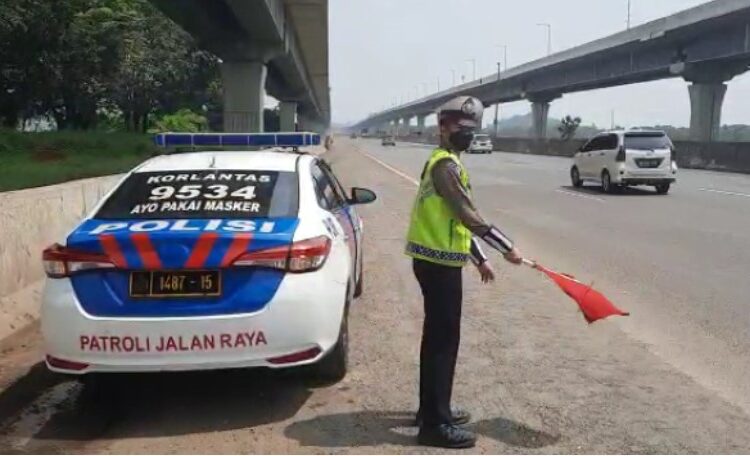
(622, 158)
(481, 144)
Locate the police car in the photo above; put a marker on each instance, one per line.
(206, 260)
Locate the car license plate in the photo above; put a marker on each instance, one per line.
(649, 163)
(174, 284)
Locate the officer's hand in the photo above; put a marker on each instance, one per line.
(486, 272)
(514, 256)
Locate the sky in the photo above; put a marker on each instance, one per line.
(387, 50)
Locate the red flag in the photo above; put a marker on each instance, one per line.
(593, 304)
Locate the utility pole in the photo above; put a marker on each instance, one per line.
(549, 36)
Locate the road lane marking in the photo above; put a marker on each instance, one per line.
(724, 192)
(579, 195)
(35, 416)
(392, 169)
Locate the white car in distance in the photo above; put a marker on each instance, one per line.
(481, 144)
(623, 158)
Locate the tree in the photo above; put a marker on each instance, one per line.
(73, 59)
(161, 69)
(568, 127)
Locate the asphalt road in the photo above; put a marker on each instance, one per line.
(667, 379)
(678, 262)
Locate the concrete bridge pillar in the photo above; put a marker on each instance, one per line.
(420, 124)
(303, 123)
(399, 124)
(244, 95)
(540, 114)
(406, 126)
(288, 115)
(394, 127)
(309, 125)
(707, 93)
(706, 101)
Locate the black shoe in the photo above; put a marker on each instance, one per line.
(446, 436)
(458, 417)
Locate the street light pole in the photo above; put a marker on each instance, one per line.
(629, 1)
(497, 105)
(505, 55)
(474, 68)
(549, 36)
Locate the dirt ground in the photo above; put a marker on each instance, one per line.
(536, 377)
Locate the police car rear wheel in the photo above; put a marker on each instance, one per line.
(333, 366)
(359, 287)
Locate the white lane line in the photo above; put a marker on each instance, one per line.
(579, 195)
(35, 416)
(392, 169)
(724, 192)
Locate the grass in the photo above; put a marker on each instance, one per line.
(36, 159)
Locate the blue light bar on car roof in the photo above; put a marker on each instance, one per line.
(296, 139)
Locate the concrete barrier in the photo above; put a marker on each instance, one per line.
(30, 220)
(718, 156)
(715, 156)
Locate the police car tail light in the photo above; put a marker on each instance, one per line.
(309, 255)
(61, 262)
(275, 258)
(302, 256)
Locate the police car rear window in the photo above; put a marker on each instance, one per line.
(204, 194)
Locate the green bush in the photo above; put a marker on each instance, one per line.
(183, 120)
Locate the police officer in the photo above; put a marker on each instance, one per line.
(444, 229)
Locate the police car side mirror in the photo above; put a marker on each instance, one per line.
(362, 196)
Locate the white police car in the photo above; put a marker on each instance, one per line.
(208, 260)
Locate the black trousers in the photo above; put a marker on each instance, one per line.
(442, 290)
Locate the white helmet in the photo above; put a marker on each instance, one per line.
(467, 111)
